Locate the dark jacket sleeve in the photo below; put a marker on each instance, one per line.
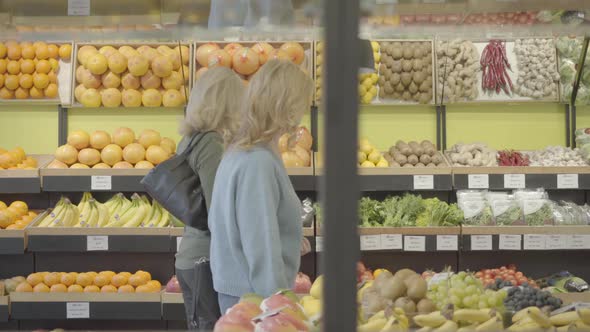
(204, 160)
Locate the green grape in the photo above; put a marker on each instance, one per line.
(434, 287)
(443, 289)
(455, 300)
(482, 304)
(453, 291)
(470, 280)
(492, 301)
(462, 274)
(471, 289)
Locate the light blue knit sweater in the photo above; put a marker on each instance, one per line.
(255, 223)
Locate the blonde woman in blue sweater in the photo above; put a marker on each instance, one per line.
(255, 215)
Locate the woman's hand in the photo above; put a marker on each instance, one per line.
(305, 246)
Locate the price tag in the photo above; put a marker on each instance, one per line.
(439, 277)
(97, 243)
(422, 182)
(478, 181)
(370, 242)
(178, 241)
(514, 181)
(391, 242)
(556, 242)
(510, 242)
(77, 310)
(578, 242)
(101, 182)
(481, 242)
(319, 243)
(414, 243)
(567, 181)
(447, 243)
(78, 7)
(534, 242)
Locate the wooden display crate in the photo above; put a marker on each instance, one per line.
(117, 180)
(14, 181)
(14, 241)
(135, 45)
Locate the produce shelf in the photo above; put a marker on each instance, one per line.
(173, 306)
(407, 239)
(99, 306)
(302, 178)
(12, 241)
(62, 239)
(3, 308)
(517, 238)
(23, 181)
(508, 177)
(78, 180)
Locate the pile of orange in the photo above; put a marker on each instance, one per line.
(16, 159)
(90, 282)
(29, 70)
(16, 215)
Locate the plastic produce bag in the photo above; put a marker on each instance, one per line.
(250, 13)
(567, 71)
(506, 212)
(476, 212)
(522, 194)
(537, 212)
(583, 97)
(307, 212)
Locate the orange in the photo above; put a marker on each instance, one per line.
(75, 289)
(84, 279)
(26, 81)
(20, 205)
(126, 274)
(137, 280)
(58, 288)
(53, 51)
(27, 67)
(2, 50)
(3, 65)
(154, 284)
(100, 281)
(44, 273)
(16, 211)
(39, 43)
(144, 289)
(52, 77)
(11, 82)
(13, 67)
(91, 289)
(32, 214)
(51, 90)
(43, 66)
(65, 51)
(14, 226)
(2, 204)
(1, 80)
(21, 93)
(147, 275)
(126, 289)
(109, 274)
(36, 93)
(13, 52)
(40, 80)
(119, 280)
(34, 278)
(24, 287)
(41, 288)
(27, 52)
(54, 64)
(108, 289)
(51, 279)
(26, 44)
(67, 279)
(42, 52)
(92, 274)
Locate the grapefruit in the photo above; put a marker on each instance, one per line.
(219, 58)
(174, 81)
(97, 64)
(184, 53)
(111, 97)
(149, 137)
(123, 136)
(162, 66)
(172, 98)
(85, 52)
(150, 80)
(89, 156)
(138, 65)
(79, 139)
(151, 98)
(111, 154)
(123, 165)
(131, 98)
(21, 93)
(134, 153)
(246, 61)
(78, 91)
(144, 164)
(99, 139)
(128, 81)
(203, 52)
(128, 51)
(155, 154)
(110, 80)
(263, 50)
(40, 80)
(107, 50)
(147, 52)
(65, 51)
(91, 98)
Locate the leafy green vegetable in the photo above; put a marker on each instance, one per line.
(406, 210)
(482, 218)
(438, 213)
(370, 213)
(540, 217)
(510, 216)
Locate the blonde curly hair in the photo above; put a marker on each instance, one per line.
(277, 97)
(214, 104)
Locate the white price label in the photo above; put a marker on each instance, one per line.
(514, 181)
(319, 243)
(414, 243)
(101, 182)
(370, 242)
(535, 242)
(178, 241)
(77, 310)
(78, 7)
(510, 242)
(481, 242)
(447, 243)
(423, 182)
(97, 243)
(478, 181)
(391, 242)
(578, 242)
(439, 277)
(567, 181)
(556, 242)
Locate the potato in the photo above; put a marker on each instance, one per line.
(397, 53)
(416, 97)
(419, 165)
(424, 86)
(388, 88)
(418, 77)
(395, 78)
(396, 45)
(417, 64)
(396, 66)
(425, 159)
(408, 53)
(382, 93)
(406, 79)
(394, 164)
(416, 148)
(437, 159)
(431, 165)
(400, 159)
(426, 143)
(413, 159)
(408, 165)
(396, 95)
(390, 62)
(400, 88)
(400, 145)
(407, 96)
(381, 80)
(382, 67)
(413, 88)
(429, 70)
(424, 98)
(393, 150)
(418, 53)
(407, 65)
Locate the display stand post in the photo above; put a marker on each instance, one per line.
(568, 133)
(581, 63)
(340, 183)
(62, 123)
(438, 128)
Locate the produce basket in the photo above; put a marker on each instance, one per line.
(23, 180)
(136, 83)
(14, 241)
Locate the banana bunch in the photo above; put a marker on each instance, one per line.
(92, 212)
(388, 320)
(461, 320)
(533, 319)
(136, 213)
(65, 214)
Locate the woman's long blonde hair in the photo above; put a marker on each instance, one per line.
(214, 103)
(277, 97)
